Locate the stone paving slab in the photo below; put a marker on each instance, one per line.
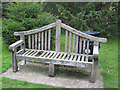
(68, 77)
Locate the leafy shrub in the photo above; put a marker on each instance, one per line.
(21, 16)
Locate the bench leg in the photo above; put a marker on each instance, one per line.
(93, 71)
(51, 69)
(14, 62)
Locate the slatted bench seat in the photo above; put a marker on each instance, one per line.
(38, 48)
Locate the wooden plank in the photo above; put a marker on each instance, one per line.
(33, 41)
(51, 69)
(60, 55)
(35, 30)
(22, 37)
(56, 55)
(84, 45)
(29, 41)
(74, 59)
(67, 57)
(82, 58)
(26, 52)
(77, 45)
(46, 54)
(45, 40)
(73, 43)
(71, 57)
(64, 56)
(80, 45)
(20, 51)
(79, 33)
(36, 41)
(42, 54)
(49, 38)
(50, 54)
(53, 55)
(66, 41)
(42, 40)
(88, 47)
(58, 35)
(70, 42)
(79, 58)
(39, 41)
(36, 53)
(32, 53)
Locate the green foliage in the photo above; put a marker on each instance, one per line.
(22, 17)
(83, 16)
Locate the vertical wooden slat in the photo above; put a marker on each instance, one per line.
(80, 46)
(29, 41)
(58, 35)
(33, 41)
(70, 42)
(88, 46)
(42, 40)
(84, 45)
(46, 40)
(39, 41)
(77, 45)
(36, 41)
(66, 41)
(49, 38)
(73, 43)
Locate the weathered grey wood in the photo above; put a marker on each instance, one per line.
(26, 52)
(84, 45)
(75, 58)
(45, 40)
(39, 41)
(80, 45)
(31, 54)
(46, 54)
(64, 56)
(50, 54)
(29, 41)
(14, 61)
(42, 54)
(70, 42)
(22, 37)
(20, 51)
(56, 55)
(36, 53)
(16, 44)
(67, 57)
(93, 71)
(58, 35)
(35, 30)
(71, 57)
(78, 58)
(33, 41)
(88, 47)
(36, 41)
(73, 43)
(49, 39)
(60, 55)
(51, 69)
(79, 33)
(53, 55)
(66, 41)
(77, 45)
(83, 56)
(42, 40)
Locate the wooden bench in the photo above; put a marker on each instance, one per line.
(39, 48)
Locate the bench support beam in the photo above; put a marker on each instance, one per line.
(51, 69)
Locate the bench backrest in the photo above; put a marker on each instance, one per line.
(41, 38)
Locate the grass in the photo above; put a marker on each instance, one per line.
(12, 83)
(108, 64)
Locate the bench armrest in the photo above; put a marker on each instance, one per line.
(95, 52)
(15, 45)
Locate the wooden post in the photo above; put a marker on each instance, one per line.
(57, 47)
(14, 61)
(22, 37)
(51, 69)
(58, 34)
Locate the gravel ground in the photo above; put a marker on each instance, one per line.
(68, 77)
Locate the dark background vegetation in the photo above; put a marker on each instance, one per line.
(97, 16)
